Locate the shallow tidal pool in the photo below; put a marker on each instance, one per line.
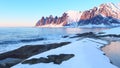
(113, 52)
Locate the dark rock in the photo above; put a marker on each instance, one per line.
(88, 34)
(65, 36)
(44, 60)
(52, 57)
(101, 33)
(9, 62)
(29, 50)
(56, 59)
(35, 60)
(104, 54)
(111, 62)
(31, 40)
(109, 35)
(23, 52)
(4, 66)
(55, 45)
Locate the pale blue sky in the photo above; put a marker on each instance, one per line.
(28, 12)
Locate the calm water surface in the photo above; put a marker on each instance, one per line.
(15, 35)
(10, 37)
(113, 52)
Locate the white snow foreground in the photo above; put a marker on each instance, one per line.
(87, 55)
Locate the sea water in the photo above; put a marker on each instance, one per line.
(13, 37)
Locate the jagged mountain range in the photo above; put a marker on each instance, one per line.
(107, 14)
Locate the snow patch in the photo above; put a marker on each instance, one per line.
(73, 16)
(86, 56)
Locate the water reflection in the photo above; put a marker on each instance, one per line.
(83, 30)
(73, 30)
(113, 52)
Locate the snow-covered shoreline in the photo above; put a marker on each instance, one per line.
(90, 55)
(87, 55)
(87, 52)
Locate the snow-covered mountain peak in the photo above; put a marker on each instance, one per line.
(73, 16)
(107, 14)
(109, 3)
(114, 7)
(118, 5)
(110, 6)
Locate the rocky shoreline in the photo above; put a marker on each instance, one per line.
(24, 52)
(16, 56)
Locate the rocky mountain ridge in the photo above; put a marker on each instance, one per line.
(107, 14)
